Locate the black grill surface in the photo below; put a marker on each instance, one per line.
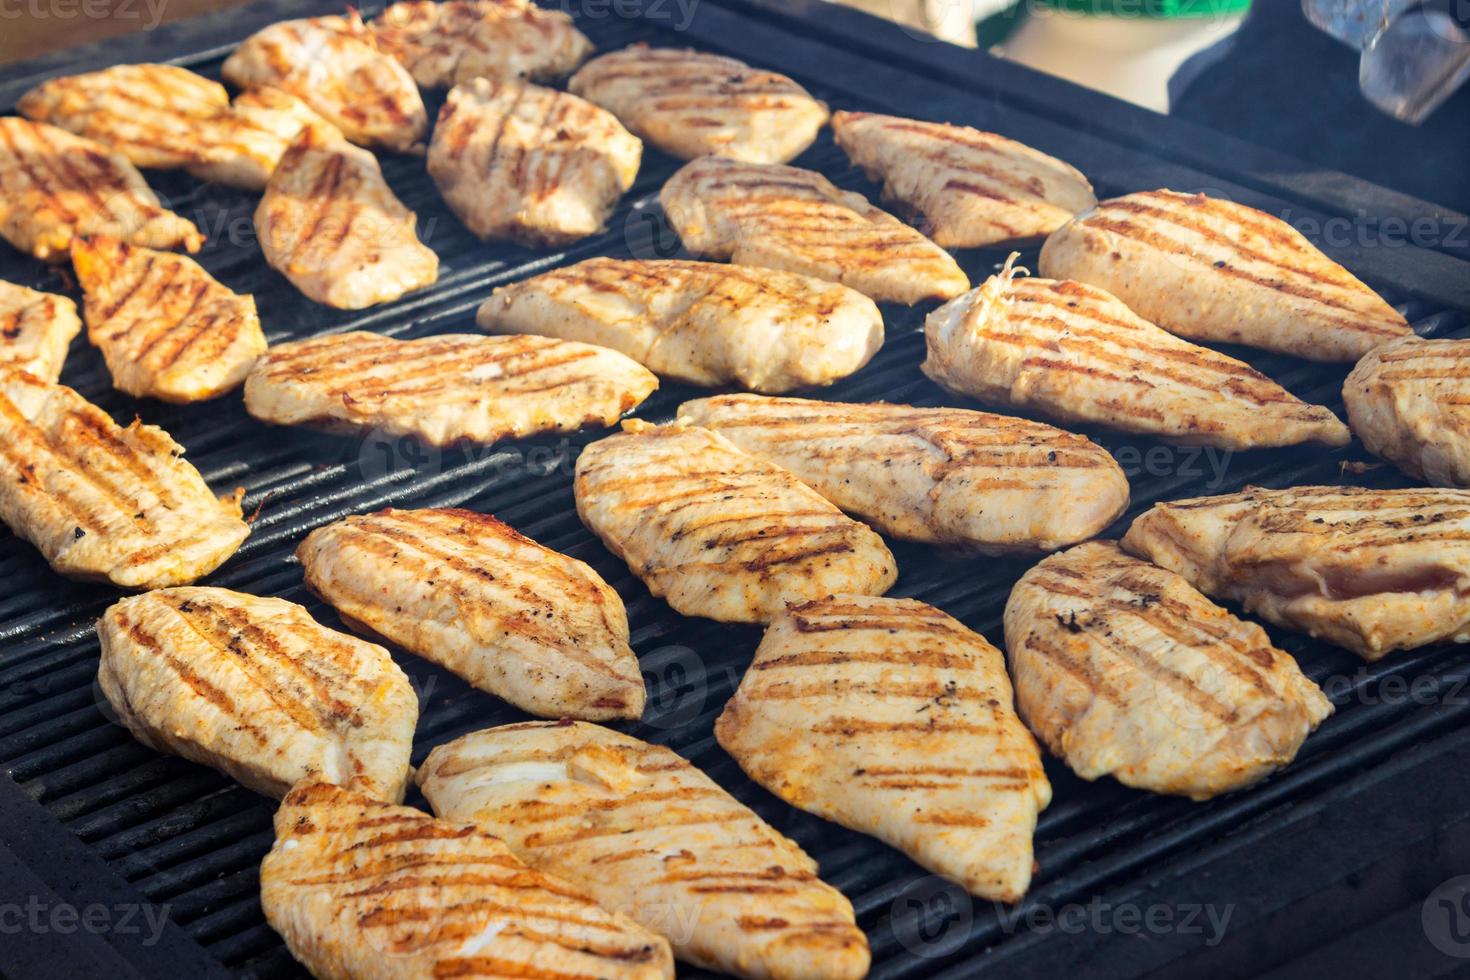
(190, 840)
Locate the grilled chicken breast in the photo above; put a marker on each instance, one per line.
(691, 103)
(368, 890)
(700, 323)
(972, 188)
(1076, 354)
(36, 329)
(969, 480)
(648, 834)
(797, 220)
(257, 689)
(718, 532)
(329, 223)
(1219, 271)
(166, 328)
(243, 147)
(515, 160)
(1123, 669)
(55, 186)
(891, 718)
(465, 591)
(102, 502)
(334, 65)
(444, 389)
(444, 44)
(1409, 402)
(1370, 570)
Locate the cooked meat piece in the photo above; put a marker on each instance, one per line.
(368, 890)
(444, 44)
(972, 188)
(970, 480)
(691, 103)
(243, 147)
(892, 719)
(36, 329)
(797, 220)
(1409, 402)
(257, 689)
(718, 532)
(329, 223)
(104, 503)
(465, 591)
(167, 328)
(701, 323)
(55, 186)
(1123, 669)
(646, 833)
(1219, 271)
(444, 389)
(334, 65)
(1076, 354)
(1370, 570)
(541, 167)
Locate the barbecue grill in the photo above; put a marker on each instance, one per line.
(1324, 867)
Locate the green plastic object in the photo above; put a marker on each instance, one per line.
(1151, 8)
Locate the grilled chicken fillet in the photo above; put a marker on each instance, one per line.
(104, 503)
(167, 328)
(444, 44)
(972, 188)
(648, 834)
(1409, 402)
(55, 186)
(970, 480)
(797, 220)
(892, 719)
(691, 103)
(700, 323)
(36, 329)
(515, 160)
(257, 689)
(1076, 354)
(465, 591)
(1219, 271)
(1370, 570)
(718, 532)
(369, 890)
(329, 223)
(444, 389)
(1122, 668)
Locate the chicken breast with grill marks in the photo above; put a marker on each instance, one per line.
(329, 223)
(166, 328)
(334, 65)
(1076, 354)
(515, 160)
(797, 220)
(1219, 271)
(444, 44)
(465, 591)
(36, 329)
(55, 187)
(444, 389)
(692, 103)
(700, 323)
(969, 480)
(1409, 402)
(972, 188)
(1370, 570)
(368, 890)
(257, 689)
(718, 532)
(1123, 669)
(648, 834)
(892, 719)
(104, 503)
